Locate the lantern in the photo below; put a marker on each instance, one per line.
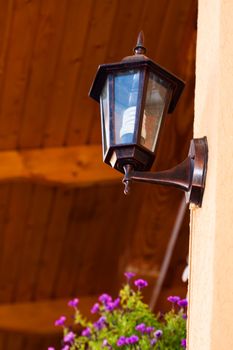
(135, 95)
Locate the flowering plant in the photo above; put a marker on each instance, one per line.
(126, 322)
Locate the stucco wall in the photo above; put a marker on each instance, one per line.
(211, 242)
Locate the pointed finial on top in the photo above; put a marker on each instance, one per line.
(140, 49)
(140, 39)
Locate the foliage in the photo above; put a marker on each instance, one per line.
(126, 323)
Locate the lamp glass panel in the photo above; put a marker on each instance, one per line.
(157, 94)
(126, 87)
(104, 106)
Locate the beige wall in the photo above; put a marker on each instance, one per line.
(211, 243)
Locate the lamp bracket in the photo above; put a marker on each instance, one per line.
(188, 176)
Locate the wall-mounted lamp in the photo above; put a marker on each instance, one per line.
(135, 95)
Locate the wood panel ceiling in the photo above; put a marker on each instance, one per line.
(60, 239)
(49, 54)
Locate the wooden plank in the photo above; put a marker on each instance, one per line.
(35, 231)
(186, 62)
(14, 341)
(37, 318)
(68, 166)
(5, 191)
(83, 245)
(3, 337)
(96, 251)
(5, 200)
(6, 15)
(67, 72)
(153, 227)
(152, 24)
(53, 245)
(169, 42)
(116, 241)
(32, 343)
(45, 55)
(74, 242)
(100, 28)
(122, 43)
(50, 341)
(24, 24)
(13, 238)
(114, 237)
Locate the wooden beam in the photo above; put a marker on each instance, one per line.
(78, 166)
(38, 317)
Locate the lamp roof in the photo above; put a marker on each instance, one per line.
(137, 61)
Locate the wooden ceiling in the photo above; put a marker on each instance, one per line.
(66, 228)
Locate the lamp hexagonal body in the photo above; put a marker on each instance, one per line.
(134, 95)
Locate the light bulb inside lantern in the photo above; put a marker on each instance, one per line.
(129, 115)
(128, 126)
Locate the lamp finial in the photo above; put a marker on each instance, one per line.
(140, 49)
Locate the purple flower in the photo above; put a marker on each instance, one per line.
(105, 343)
(121, 341)
(116, 302)
(158, 334)
(69, 337)
(183, 343)
(100, 323)
(51, 348)
(184, 316)
(183, 303)
(73, 303)
(66, 347)
(113, 305)
(109, 306)
(95, 308)
(126, 341)
(173, 299)
(129, 275)
(132, 339)
(86, 332)
(141, 327)
(60, 321)
(105, 298)
(153, 341)
(140, 283)
(149, 329)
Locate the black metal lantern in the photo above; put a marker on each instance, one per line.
(134, 95)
